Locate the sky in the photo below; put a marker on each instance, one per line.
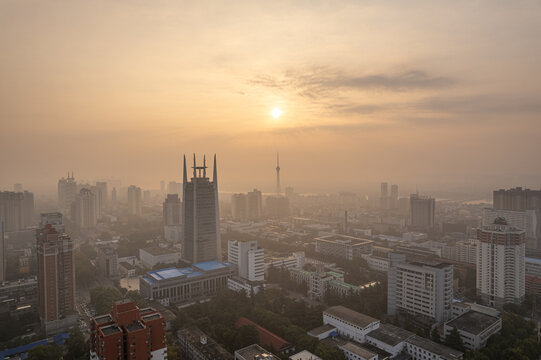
(426, 94)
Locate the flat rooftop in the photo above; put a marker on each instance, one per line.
(157, 251)
(250, 352)
(103, 319)
(390, 334)
(135, 326)
(358, 350)
(304, 355)
(445, 352)
(210, 265)
(211, 349)
(350, 316)
(321, 329)
(111, 329)
(344, 239)
(473, 322)
(190, 272)
(151, 317)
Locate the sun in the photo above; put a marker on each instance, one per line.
(276, 113)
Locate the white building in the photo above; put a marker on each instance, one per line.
(356, 352)
(295, 260)
(474, 328)
(389, 338)
(420, 348)
(349, 323)
(134, 200)
(304, 355)
(500, 263)
(342, 246)
(249, 259)
(379, 259)
(420, 289)
(152, 256)
(238, 284)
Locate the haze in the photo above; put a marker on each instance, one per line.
(417, 92)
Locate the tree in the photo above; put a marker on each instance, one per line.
(45, 352)
(102, 298)
(454, 340)
(76, 345)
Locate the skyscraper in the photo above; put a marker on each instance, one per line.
(134, 200)
(239, 206)
(200, 214)
(12, 210)
(384, 196)
(278, 188)
(422, 210)
(172, 218)
(255, 204)
(67, 190)
(500, 263)
(102, 185)
(83, 209)
(393, 199)
(56, 274)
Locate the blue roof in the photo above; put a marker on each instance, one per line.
(24, 349)
(210, 265)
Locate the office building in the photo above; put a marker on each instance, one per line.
(16, 210)
(107, 261)
(419, 289)
(475, 328)
(384, 196)
(67, 191)
(422, 212)
(174, 187)
(196, 345)
(500, 263)
(239, 206)
(200, 214)
(349, 323)
(84, 209)
(249, 259)
(254, 205)
(134, 200)
(2, 253)
(56, 274)
(172, 218)
(295, 260)
(104, 194)
(343, 246)
(128, 333)
(178, 285)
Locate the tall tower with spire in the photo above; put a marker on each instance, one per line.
(278, 189)
(200, 214)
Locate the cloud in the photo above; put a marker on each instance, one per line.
(485, 103)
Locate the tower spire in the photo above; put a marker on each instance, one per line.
(194, 166)
(184, 175)
(278, 190)
(204, 166)
(215, 172)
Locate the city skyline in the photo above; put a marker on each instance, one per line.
(433, 105)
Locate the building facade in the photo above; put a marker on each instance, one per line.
(134, 200)
(500, 263)
(67, 191)
(343, 246)
(422, 210)
(84, 209)
(249, 259)
(349, 323)
(128, 333)
(201, 216)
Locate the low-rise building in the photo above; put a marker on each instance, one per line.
(267, 338)
(127, 269)
(295, 260)
(323, 331)
(239, 284)
(389, 338)
(254, 352)
(474, 328)
(178, 285)
(357, 352)
(420, 348)
(195, 345)
(155, 255)
(378, 260)
(304, 355)
(343, 246)
(349, 323)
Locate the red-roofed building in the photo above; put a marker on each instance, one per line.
(267, 338)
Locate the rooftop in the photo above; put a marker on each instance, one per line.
(473, 322)
(321, 329)
(254, 351)
(304, 355)
(266, 337)
(189, 272)
(390, 334)
(156, 251)
(103, 319)
(151, 317)
(344, 239)
(358, 350)
(210, 348)
(210, 265)
(444, 352)
(135, 326)
(350, 316)
(111, 329)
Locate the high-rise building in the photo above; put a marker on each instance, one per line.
(134, 200)
(18, 187)
(517, 199)
(104, 194)
(248, 258)
(56, 274)
(393, 199)
(239, 206)
(2, 254)
(254, 201)
(12, 210)
(172, 218)
(500, 263)
(67, 191)
(107, 261)
(200, 214)
(128, 333)
(419, 289)
(83, 209)
(174, 188)
(384, 196)
(526, 220)
(422, 211)
(28, 208)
